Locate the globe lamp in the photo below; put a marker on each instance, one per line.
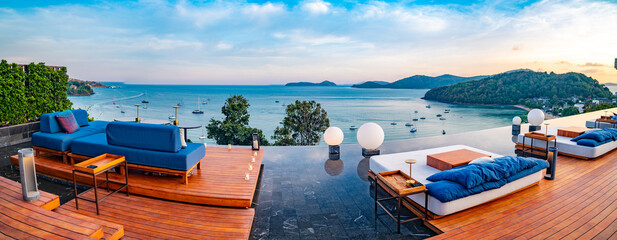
(370, 136)
(334, 137)
(516, 125)
(535, 118)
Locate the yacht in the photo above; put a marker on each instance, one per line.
(408, 124)
(393, 123)
(423, 118)
(446, 111)
(198, 110)
(353, 128)
(442, 118)
(428, 106)
(146, 98)
(413, 130)
(122, 110)
(439, 115)
(443, 132)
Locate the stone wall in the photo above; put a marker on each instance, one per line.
(17, 134)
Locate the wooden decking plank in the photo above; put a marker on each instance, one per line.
(47, 201)
(112, 231)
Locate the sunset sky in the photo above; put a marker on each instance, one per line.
(257, 42)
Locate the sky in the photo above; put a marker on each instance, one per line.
(274, 42)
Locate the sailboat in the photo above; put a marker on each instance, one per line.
(203, 136)
(446, 111)
(146, 98)
(416, 118)
(409, 124)
(428, 106)
(114, 101)
(180, 103)
(198, 110)
(413, 130)
(122, 110)
(353, 128)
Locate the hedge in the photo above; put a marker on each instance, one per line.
(25, 95)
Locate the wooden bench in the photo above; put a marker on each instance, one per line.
(65, 154)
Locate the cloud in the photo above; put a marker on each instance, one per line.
(206, 15)
(263, 10)
(590, 64)
(305, 37)
(316, 6)
(224, 46)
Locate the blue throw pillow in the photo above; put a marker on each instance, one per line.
(599, 136)
(472, 175)
(514, 164)
(589, 142)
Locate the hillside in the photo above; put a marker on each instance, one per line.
(516, 87)
(419, 82)
(81, 87)
(310, 84)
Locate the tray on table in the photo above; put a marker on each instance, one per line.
(397, 181)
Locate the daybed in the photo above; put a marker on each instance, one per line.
(53, 140)
(147, 147)
(593, 124)
(421, 171)
(570, 148)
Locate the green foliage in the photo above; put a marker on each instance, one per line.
(303, 125)
(518, 87)
(79, 88)
(569, 111)
(234, 129)
(419, 82)
(597, 107)
(25, 95)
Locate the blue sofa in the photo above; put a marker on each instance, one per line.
(147, 147)
(51, 139)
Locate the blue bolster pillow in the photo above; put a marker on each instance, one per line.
(470, 175)
(164, 138)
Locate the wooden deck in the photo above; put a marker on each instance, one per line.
(581, 203)
(34, 220)
(219, 182)
(148, 218)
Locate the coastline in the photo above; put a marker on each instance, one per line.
(547, 115)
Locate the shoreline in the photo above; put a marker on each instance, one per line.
(547, 115)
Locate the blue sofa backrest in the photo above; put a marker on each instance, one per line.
(49, 124)
(164, 138)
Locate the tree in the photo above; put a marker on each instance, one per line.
(234, 129)
(303, 125)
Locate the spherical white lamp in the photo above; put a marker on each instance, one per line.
(370, 136)
(516, 125)
(334, 137)
(535, 118)
(516, 120)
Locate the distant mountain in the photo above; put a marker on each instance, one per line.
(419, 82)
(518, 87)
(310, 84)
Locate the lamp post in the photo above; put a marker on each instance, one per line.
(370, 136)
(334, 137)
(535, 118)
(516, 125)
(137, 119)
(176, 115)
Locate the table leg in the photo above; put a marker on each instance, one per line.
(375, 182)
(126, 177)
(96, 196)
(75, 190)
(425, 206)
(398, 220)
(107, 179)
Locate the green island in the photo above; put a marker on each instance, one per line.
(79, 87)
(555, 93)
(418, 82)
(310, 84)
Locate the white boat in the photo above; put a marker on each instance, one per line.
(442, 118)
(203, 136)
(446, 111)
(198, 110)
(413, 130)
(353, 128)
(408, 124)
(122, 110)
(428, 106)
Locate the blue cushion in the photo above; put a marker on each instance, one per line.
(184, 159)
(62, 141)
(599, 136)
(446, 191)
(67, 122)
(49, 124)
(540, 164)
(470, 175)
(81, 116)
(513, 164)
(590, 142)
(144, 136)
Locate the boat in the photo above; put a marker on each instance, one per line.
(122, 110)
(117, 106)
(428, 106)
(446, 111)
(146, 98)
(198, 110)
(422, 118)
(204, 102)
(114, 101)
(172, 118)
(145, 107)
(438, 115)
(408, 124)
(443, 132)
(180, 103)
(413, 130)
(442, 118)
(203, 136)
(393, 123)
(277, 101)
(415, 119)
(353, 128)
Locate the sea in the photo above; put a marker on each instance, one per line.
(346, 107)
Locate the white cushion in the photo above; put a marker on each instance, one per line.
(482, 160)
(182, 142)
(564, 145)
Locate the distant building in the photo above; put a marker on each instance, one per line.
(24, 66)
(580, 107)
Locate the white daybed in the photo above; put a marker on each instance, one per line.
(421, 171)
(569, 148)
(592, 124)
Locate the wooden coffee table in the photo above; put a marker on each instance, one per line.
(571, 131)
(98, 165)
(447, 160)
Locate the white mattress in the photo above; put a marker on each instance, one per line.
(564, 145)
(421, 171)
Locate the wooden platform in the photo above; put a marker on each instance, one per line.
(580, 203)
(219, 182)
(148, 218)
(34, 220)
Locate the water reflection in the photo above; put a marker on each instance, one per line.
(334, 167)
(363, 167)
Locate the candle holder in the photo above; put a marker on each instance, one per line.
(410, 182)
(27, 174)
(247, 176)
(253, 159)
(250, 167)
(255, 144)
(229, 146)
(546, 126)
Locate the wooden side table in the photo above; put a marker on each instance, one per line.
(396, 182)
(532, 151)
(451, 159)
(95, 166)
(571, 131)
